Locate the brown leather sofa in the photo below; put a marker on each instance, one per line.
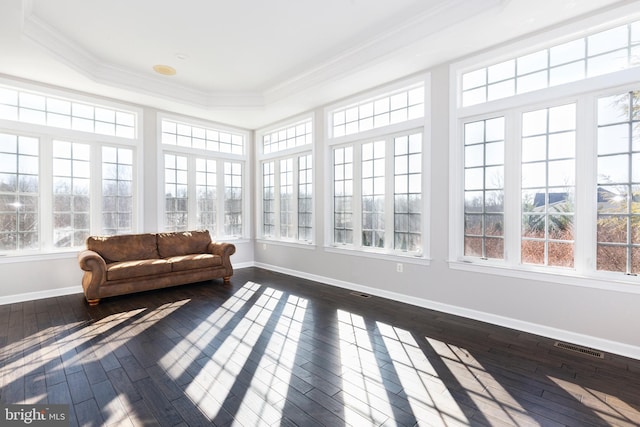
(123, 264)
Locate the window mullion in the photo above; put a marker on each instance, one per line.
(276, 199)
(45, 191)
(95, 197)
(260, 198)
(295, 171)
(220, 197)
(389, 173)
(357, 196)
(192, 209)
(586, 180)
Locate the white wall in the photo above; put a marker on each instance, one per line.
(588, 316)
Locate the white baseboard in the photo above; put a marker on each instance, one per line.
(243, 265)
(30, 296)
(533, 328)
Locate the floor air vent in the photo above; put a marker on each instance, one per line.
(360, 294)
(578, 349)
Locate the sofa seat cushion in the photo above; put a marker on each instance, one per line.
(138, 268)
(183, 243)
(190, 262)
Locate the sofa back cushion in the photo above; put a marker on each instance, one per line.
(126, 247)
(183, 243)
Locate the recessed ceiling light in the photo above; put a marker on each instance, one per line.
(165, 70)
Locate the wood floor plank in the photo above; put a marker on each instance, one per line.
(271, 349)
(111, 407)
(161, 408)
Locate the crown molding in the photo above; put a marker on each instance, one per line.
(383, 46)
(88, 65)
(375, 49)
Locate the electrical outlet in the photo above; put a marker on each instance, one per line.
(264, 246)
(399, 267)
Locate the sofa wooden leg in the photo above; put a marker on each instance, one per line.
(93, 302)
(227, 280)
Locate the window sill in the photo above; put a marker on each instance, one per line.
(604, 281)
(233, 240)
(409, 258)
(289, 243)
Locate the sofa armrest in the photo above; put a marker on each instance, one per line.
(225, 250)
(95, 273)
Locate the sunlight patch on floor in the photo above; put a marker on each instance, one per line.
(486, 392)
(428, 396)
(602, 404)
(364, 397)
(193, 345)
(273, 373)
(220, 371)
(58, 343)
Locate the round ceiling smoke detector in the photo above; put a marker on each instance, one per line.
(165, 70)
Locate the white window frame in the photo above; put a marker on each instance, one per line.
(221, 158)
(294, 152)
(422, 125)
(46, 135)
(585, 93)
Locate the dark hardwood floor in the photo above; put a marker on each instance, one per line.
(271, 350)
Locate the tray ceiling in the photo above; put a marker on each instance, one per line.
(251, 62)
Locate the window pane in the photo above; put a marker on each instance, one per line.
(501, 90)
(533, 82)
(474, 96)
(567, 52)
(474, 79)
(613, 139)
(613, 109)
(502, 71)
(609, 40)
(567, 73)
(532, 252)
(474, 132)
(613, 169)
(534, 123)
(607, 63)
(612, 258)
(533, 62)
(534, 148)
(560, 254)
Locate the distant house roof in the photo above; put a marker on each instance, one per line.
(539, 199)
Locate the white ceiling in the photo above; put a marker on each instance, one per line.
(249, 63)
